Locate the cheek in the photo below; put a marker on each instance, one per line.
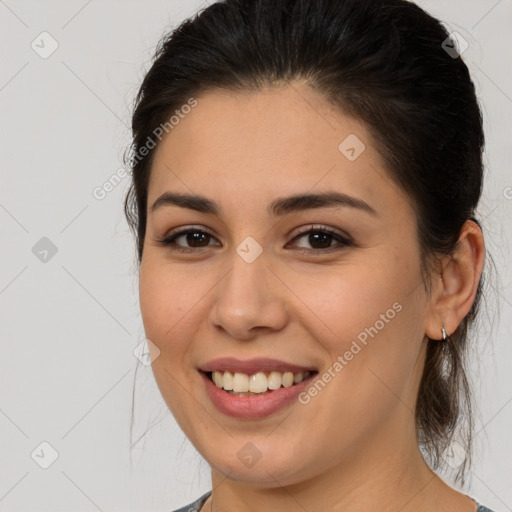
(350, 299)
(167, 296)
(371, 321)
(170, 301)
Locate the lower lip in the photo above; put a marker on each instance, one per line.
(253, 407)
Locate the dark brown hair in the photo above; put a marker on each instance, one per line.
(381, 61)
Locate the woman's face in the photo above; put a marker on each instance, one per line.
(257, 287)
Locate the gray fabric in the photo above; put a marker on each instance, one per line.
(196, 506)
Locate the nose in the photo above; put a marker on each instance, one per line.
(249, 300)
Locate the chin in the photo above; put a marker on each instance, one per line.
(250, 465)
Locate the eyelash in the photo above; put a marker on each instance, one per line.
(170, 241)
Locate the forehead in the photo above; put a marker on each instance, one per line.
(261, 144)
(263, 123)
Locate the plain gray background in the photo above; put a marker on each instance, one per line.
(70, 318)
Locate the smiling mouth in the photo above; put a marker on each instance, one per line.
(259, 383)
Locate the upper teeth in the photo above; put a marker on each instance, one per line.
(257, 382)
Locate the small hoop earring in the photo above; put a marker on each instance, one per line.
(443, 330)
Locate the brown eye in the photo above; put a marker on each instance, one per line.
(195, 238)
(320, 239)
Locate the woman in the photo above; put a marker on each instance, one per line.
(305, 177)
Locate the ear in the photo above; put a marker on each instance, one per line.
(454, 288)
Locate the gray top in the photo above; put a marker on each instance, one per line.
(194, 507)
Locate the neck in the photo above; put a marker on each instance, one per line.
(388, 474)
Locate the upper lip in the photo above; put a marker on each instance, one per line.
(251, 366)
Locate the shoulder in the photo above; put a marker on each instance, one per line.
(196, 505)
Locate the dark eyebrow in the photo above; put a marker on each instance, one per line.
(281, 206)
(300, 202)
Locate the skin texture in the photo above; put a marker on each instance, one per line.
(353, 446)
